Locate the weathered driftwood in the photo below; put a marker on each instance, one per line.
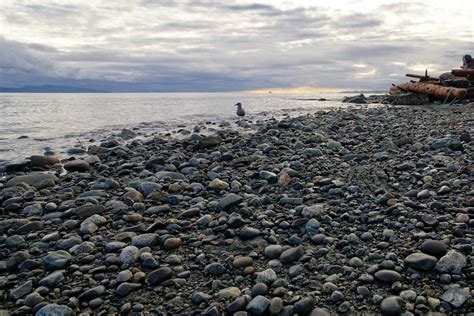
(422, 77)
(432, 89)
(463, 72)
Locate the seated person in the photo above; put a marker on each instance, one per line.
(467, 62)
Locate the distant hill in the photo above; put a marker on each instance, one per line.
(49, 89)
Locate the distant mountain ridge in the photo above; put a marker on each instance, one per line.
(49, 89)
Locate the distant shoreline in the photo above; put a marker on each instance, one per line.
(71, 89)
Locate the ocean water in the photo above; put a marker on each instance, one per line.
(59, 121)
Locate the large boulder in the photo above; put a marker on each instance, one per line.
(77, 165)
(43, 161)
(33, 179)
(411, 98)
(359, 99)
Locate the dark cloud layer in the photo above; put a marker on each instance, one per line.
(201, 45)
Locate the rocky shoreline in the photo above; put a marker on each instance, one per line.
(341, 211)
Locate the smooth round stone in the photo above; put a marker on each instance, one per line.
(129, 255)
(215, 269)
(145, 240)
(462, 218)
(66, 244)
(421, 261)
(33, 298)
(390, 306)
(148, 187)
(77, 165)
(429, 220)
(36, 179)
(111, 184)
(228, 201)
(259, 289)
(56, 260)
(387, 276)
(356, 262)
(363, 290)
(218, 184)
(76, 151)
(258, 305)
(235, 221)
(319, 312)
(336, 296)
(273, 251)
(55, 310)
(367, 236)
(124, 276)
(249, 232)
(268, 176)
(159, 275)
(423, 194)
(304, 306)
(434, 247)
(344, 307)
(50, 207)
(229, 293)
(276, 305)
(92, 293)
(291, 255)
(268, 276)
(125, 288)
(242, 262)
(172, 243)
(115, 246)
(14, 241)
(236, 305)
(329, 287)
(408, 295)
(42, 161)
(200, 297)
(52, 279)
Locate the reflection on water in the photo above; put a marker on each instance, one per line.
(57, 120)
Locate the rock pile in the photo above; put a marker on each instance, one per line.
(343, 211)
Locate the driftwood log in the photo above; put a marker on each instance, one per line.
(462, 72)
(431, 89)
(422, 77)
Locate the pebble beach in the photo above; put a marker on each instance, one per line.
(343, 211)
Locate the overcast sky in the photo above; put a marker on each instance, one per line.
(207, 45)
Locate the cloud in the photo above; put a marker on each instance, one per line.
(207, 45)
(19, 58)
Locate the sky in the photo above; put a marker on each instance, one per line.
(213, 46)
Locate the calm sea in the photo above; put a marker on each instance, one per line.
(59, 121)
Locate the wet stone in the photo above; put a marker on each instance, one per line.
(55, 309)
(434, 247)
(387, 276)
(21, 290)
(160, 275)
(126, 288)
(56, 260)
(242, 262)
(291, 255)
(390, 306)
(421, 261)
(456, 296)
(228, 201)
(452, 262)
(258, 305)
